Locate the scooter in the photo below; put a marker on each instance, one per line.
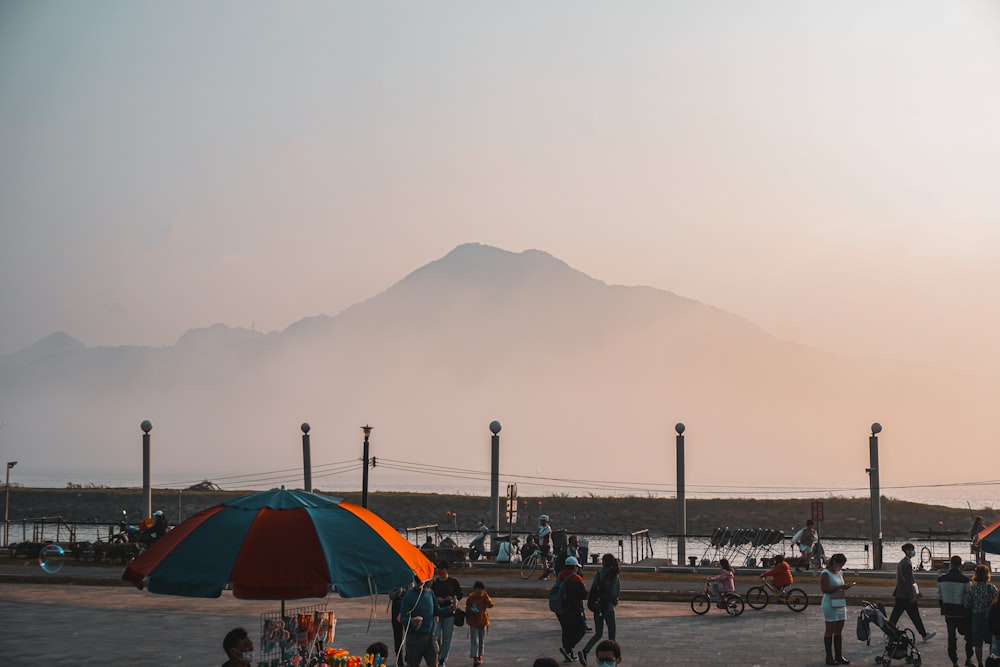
(477, 548)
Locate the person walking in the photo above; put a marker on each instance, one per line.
(804, 541)
(993, 623)
(572, 620)
(417, 611)
(603, 599)
(477, 616)
(906, 593)
(953, 592)
(979, 598)
(447, 592)
(834, 607)
(395, 604)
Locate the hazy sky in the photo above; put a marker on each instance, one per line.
(826, 169)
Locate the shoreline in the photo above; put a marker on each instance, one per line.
(843, 517)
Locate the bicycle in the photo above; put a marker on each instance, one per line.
(529, 563)
(730, 601)
(759, 597)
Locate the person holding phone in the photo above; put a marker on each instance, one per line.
(834, 607)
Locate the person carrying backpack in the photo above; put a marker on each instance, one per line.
(602, 600)
(566, 601)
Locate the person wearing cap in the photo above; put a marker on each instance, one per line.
(159, 528)
(573, 621)
(544, 544)
(447, 592)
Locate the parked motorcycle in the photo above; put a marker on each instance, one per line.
(145, 533)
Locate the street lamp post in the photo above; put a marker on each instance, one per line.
(364, 477)
(307, 472)
(495, 475)
(147, 489)
(6, 501)
(876, 500)
(681, 500)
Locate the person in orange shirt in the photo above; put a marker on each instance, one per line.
(781, 572)
(477, 615)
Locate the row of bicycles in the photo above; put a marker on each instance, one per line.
(757, 597)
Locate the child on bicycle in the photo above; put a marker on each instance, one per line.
(781, 572)
(724, 582)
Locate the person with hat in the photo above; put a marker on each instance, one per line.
(544, 544)
(572, 620)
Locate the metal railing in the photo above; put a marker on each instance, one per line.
(640, 546)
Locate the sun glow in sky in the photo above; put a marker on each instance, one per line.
(826, 170)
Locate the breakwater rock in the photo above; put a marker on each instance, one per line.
(843, 517)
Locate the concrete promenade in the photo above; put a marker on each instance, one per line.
(95, 621)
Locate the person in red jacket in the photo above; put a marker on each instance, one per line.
(573, 620)
(781, 572)
(477, 615)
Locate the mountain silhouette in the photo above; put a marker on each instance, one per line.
(587, 378)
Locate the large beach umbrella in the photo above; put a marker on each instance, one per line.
(989, 538)
(280, 545)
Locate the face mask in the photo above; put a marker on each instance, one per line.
(247, 657)
(606, 663)
(912, 553)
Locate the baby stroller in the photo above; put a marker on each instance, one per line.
(899, 644)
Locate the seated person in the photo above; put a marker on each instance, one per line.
(781, 572)
(429, 544)
(477, 547)
(508, 551)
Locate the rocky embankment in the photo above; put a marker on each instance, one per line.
(843, 517)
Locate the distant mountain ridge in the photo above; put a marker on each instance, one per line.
(587, 378)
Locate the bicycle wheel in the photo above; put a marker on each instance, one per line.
(700, 604)
(528, 566)
(796, 599)
(734, 605)
(757, 597)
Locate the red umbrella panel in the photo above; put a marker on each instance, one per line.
(988, 538)
(280, 545)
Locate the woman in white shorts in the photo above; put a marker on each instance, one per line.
(834, 606)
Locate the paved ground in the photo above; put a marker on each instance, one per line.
(64, 624)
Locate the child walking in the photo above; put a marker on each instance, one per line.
(478, 619)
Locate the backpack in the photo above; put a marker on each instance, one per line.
(594, 601)
(558, 603)
(560, 561)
